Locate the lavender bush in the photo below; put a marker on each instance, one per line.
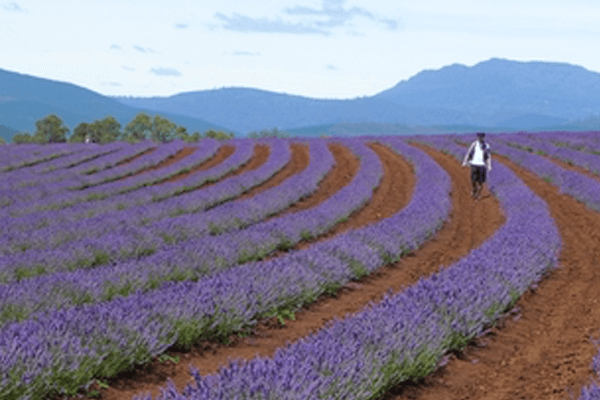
(404, 336)
(131, 239)
(84, 190)
(58, 351)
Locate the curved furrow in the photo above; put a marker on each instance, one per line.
(308, 280)
(403, 337)
(84, 188)
(542, 350)
(53, 223)
(448, 246)
(173, 159)
(80, 236)
(23, 156)
(68, 288)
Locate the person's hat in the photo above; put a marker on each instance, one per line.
(480, 134)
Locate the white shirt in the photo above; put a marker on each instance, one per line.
(478, 158)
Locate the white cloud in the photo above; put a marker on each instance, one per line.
(331, 15)
(165, 72)
(14, 7)
(242, 23)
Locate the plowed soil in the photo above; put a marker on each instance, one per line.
(345, 168)
(466, 229)
(542, 350)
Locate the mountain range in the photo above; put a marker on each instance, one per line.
(24, 99)
(493, 95)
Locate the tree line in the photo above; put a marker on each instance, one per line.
(52, 129)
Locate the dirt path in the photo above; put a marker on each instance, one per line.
(544, 351)
(463, 232)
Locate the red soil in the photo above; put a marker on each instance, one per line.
(343, 171)
(464, 231)
(543, 350)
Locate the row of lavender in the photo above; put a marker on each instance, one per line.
(206, 254)
(541, 145)
(86, 187)
(581, 187)
(404, 336)
(588, 141)
(158, 237)
(23, 179)
(72, 160)
(28, 183)
(82, 213)
(22, 156)
(60, 350)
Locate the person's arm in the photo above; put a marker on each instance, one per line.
(489, 159)
(464, 163)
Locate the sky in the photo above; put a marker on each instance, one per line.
(331, 49)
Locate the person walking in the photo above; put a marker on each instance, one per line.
(480, 159)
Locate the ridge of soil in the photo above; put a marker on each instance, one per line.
(181, 154)
(299, 160)
(464, 230)
(133, 158)
(542, 349)
(221, 155)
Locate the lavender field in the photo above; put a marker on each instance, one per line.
(113, 257)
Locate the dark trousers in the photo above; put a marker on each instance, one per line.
(478, 174)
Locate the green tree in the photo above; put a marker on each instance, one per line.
(139, 128)
(80, 132)
(100, 131)
(163, 130)
(106, 130)
(22, 137)
(2, 141)
(182, 133)
(194, 137)
(220, 135)
(51, 129)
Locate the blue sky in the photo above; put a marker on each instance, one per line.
(315, 48)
